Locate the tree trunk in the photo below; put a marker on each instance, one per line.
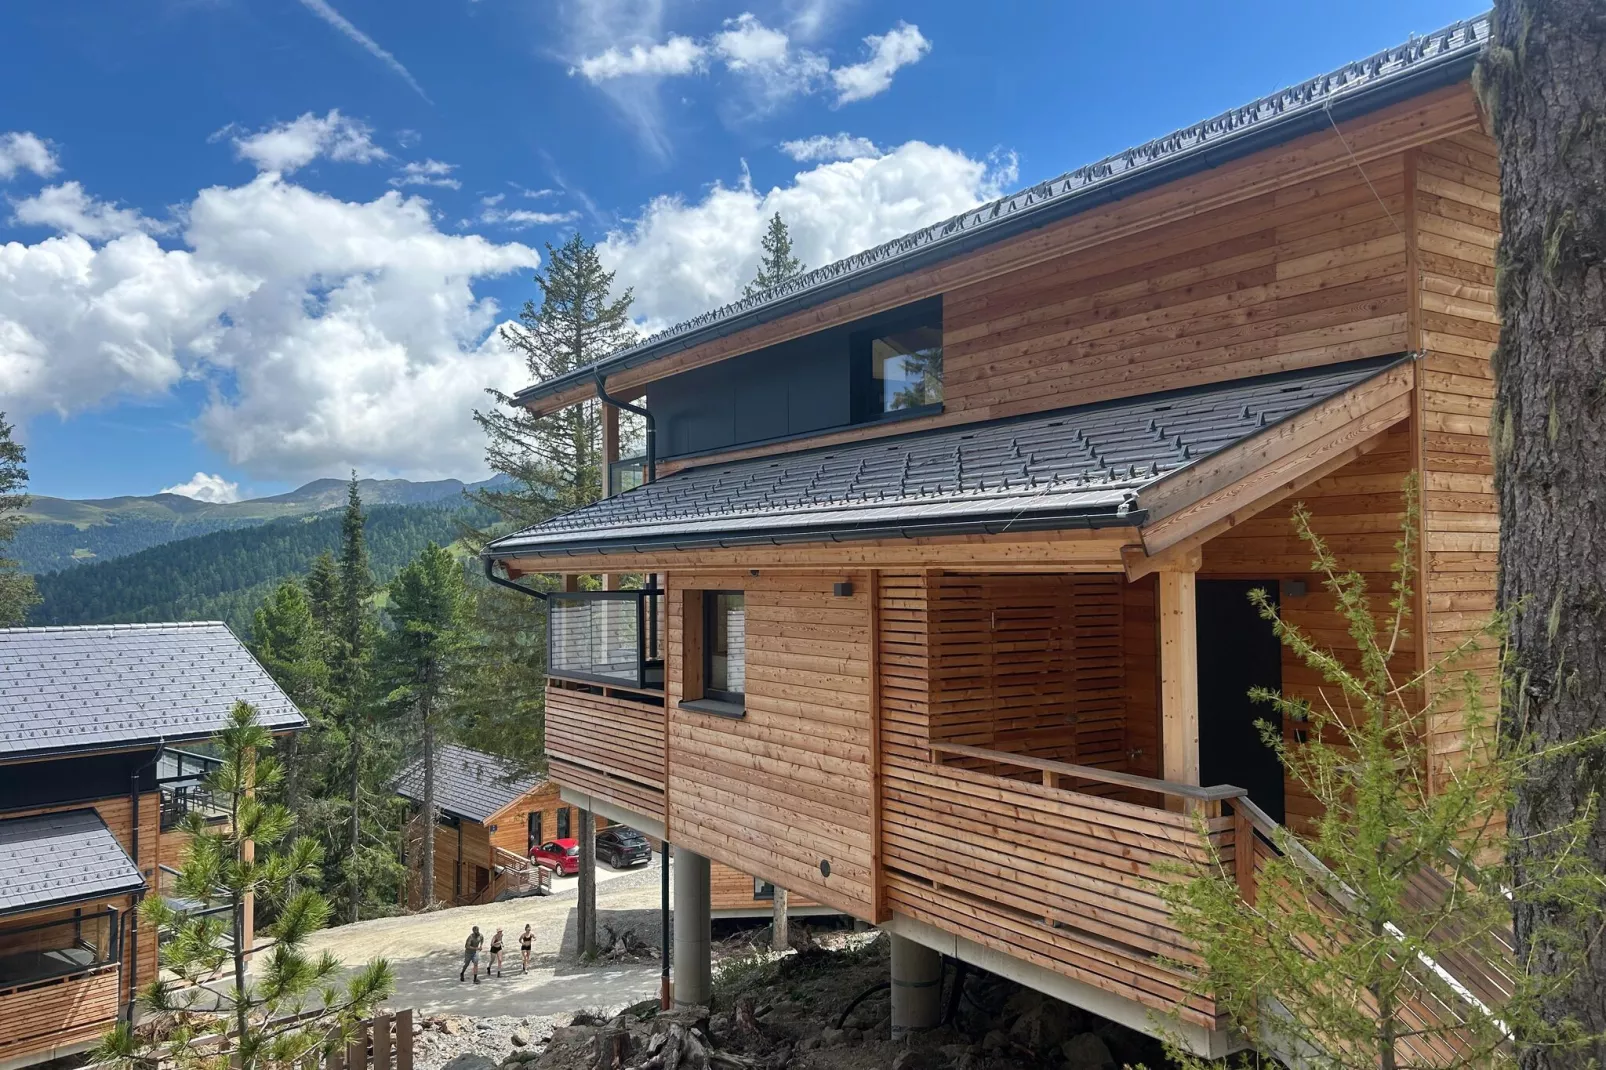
(779, 936)
(356, 821)
(1543, 84)
(427, 861)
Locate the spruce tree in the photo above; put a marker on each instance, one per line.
(17, 594)
(354, 632)
(555, 462)
(287, 640)
(420, 665)
(323, 590)
(777, 264)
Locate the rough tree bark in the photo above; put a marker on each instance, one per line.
(427, 854)
(1543, 86)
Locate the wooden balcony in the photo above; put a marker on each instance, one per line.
(609, 743)
(1004, 850)
(59, 1014)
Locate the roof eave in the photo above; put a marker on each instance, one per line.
(1423, 77)
(1113, 516)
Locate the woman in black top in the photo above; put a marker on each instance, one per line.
(526, 938)
(496, 954)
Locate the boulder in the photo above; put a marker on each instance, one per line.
(470, 1062)
(518, 1040)
(1043, 1028)
(919, 1059)
(995, 1040)
(1087, 1051)
(831, 1037)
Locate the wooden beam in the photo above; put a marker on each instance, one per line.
(1179, 678)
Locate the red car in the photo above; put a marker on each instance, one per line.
(560, 856)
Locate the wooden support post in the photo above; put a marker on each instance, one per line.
(404, 1039)
(586, 907)
(1243, 852)
(779, 936)
(1179, 680)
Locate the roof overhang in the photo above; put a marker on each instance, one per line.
(1419, 67)
(1252, 441)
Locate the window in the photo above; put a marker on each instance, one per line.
(534, 822)
(563, 823)
(763, 889)
(725, 646)
(907, 368)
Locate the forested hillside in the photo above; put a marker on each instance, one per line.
(226, 574)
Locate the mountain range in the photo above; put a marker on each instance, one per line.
(63, 533)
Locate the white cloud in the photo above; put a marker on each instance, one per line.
(205, 488)
(523, 218)
(678, 55)
(69, 209)
(829, 147)
(22, 151)
(292, 145)
(334, 18)
(685, 258)
(765, 60)
(331, 334)
(427, 173)
(898, 47)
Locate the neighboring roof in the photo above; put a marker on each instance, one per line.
(61, 858)
(1078, 467)
(122, 685)
(468, 783)
(1418, 66)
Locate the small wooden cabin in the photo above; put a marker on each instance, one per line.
(95, 774)
(950, 540)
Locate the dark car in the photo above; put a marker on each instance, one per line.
(622, 847)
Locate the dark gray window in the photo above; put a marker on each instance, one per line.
(907, 368)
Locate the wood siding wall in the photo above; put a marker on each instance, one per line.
(59, 1014)
(787, 786)
(730, 890)
(1456, 224)
(608, 746)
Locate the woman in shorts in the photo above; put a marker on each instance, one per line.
(526, 939)
(496, 955)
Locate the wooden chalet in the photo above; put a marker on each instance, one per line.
(95, 776)
(948, 543)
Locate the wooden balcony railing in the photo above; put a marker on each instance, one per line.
(607, 745)
(56, 1013)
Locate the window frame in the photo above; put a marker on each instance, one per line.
(759, 893)
(867, 403)
(710, 617)
(565, 824)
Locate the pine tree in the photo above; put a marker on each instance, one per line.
(17, 594)
(354, 632)
(293, 1008)
(323, 590)
(1331, 954)
(555, 461)
(777, 264)
(1542, 84)
(288, 642)
(420, 665)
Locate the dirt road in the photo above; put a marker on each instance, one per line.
(426, 951)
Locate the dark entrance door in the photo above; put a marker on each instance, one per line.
(1237, 651)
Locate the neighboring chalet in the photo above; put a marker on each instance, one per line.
(94, 777)
(950, 540)
(490, 816)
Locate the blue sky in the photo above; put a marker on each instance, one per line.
(270, 240)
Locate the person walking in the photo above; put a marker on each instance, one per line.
(471, 955)
(526, 938)
(496, 954)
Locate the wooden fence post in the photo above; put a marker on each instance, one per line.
(382, 1042)
(357, 1049)
(1243, 851)
(404, 1039)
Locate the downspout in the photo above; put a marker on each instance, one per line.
(139, 896)
(490, 574)
(647, 418)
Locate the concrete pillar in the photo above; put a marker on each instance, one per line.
(586, 907)
(916, 987)
(693, 973)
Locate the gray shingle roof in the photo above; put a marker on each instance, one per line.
(62, 857)
(126, 684)
(1076, 467)
(468, 783)
(1419, 65)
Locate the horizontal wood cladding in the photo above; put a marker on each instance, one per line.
(786, 786)
(731, 889)
(1277, 180)
(1054, 877)
(60, 1013)
(1357, 510)
(1456, 226)
(598, 783)
(622, 737)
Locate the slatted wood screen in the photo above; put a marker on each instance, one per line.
(1030, 664)
(384, 1042)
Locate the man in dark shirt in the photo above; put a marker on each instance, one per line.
(471, 955)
